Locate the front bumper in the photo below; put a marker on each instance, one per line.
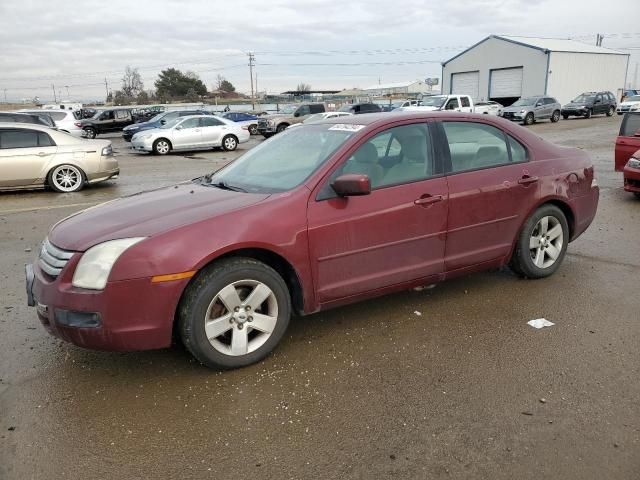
(513, 116)
(573, 112)
(127, 136)
(127, 315)
(142, 145)
(631, 179)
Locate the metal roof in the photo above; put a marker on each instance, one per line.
(384, 86)
(545, 45)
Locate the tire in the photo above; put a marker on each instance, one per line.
(66, 178)
(161, 146)
(528, 119)
(610, 112)
(619, 113)
(588, 113)
(253, 129)
(202, 309)
(637, 194)
(282, 127)
(229, 143)
(566, 117)
(538, 262)
(267, 135)
(91, 132)
(555, 116)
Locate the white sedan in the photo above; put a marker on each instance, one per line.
(488, 108)
(191, 133)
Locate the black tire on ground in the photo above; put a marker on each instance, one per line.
(229, 143)
(522, 262)
(267, 135)
(253, 129)
(637, 194)
(619, 113)
(199, 295)
(610, 112)
(529, 119)
(566, 117)
(161, 146)
(588, 113)
(281, 127)
(555, 116)
(91, 132)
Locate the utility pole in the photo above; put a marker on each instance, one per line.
(258, 94)
(251, 65)
(635, 81)
(55, 99)
(106, 86)
(599, 38)
(67, 87)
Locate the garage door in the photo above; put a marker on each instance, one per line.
(506, 82)
(467, 83)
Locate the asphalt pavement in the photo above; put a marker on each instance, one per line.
(449, 382)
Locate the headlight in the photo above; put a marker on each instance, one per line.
(633, 163)
(107, 151)
(522, 111)
(634, 108)
(96, 263)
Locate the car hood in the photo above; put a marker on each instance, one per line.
(417, 108)
(276, 115)
(147, 214)
(517, 109)
(635, 102)
(141, 125)
(576, 105)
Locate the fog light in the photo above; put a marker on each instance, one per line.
(70, 318)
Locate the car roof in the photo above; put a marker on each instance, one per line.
(34, 126)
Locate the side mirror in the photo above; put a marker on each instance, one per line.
(297, 114)
(352, 184)
(539, 104)
(163, 122)
(179, 127)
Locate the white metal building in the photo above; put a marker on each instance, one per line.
(504, 68)
(400, 88)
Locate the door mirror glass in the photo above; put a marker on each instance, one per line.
(179, 127)
(297, 114)
(352, 184)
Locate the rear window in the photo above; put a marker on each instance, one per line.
(630, 125)
(57, 116)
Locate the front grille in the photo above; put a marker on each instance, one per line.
(507, 115)
(52, 259)
(262, 123)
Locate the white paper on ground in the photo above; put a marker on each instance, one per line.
(540, 322)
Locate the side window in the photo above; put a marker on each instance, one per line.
(18, 139)
(452, 104)
(206, 121)
(190, 123)
(120, 114)
(317, 108)
(475, 145)
(599, 98)
(303, 110)
(412, 160)
(45, 140)
(630, 125)
(107, 115)
(518, 152)
(465, 101)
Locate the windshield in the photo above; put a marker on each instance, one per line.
(284, 162)
(316, 117)
(436, 101)
(523, 102)
(583, 99)
(156, 118)
(288, 109)
(635, 98)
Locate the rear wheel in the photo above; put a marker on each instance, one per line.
(161, 146)
(66, 178)
(229, 143)
(556, 116)
(637, 194)
(528, 119)
(542, 243)
(234, 313)
(588, 113)
(565, 117)
(610, 111)
(90, 132)
(253, 129)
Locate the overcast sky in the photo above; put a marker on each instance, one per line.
(325, 43)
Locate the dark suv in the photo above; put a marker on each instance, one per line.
(104, 121)
(358, 108)
(157, 121)
(38, 119)
(590, 103)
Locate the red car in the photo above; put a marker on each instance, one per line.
(322, 215)
(627, 154)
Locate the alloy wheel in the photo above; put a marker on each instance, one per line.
(241, 317)
(546, 242)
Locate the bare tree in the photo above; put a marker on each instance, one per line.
(132, 82)
(303, 88)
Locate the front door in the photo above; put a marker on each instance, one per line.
(393, 235)
(491, 186)
(23, 155)
(187, 134)
(628, 141)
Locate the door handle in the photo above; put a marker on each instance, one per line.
(41, 154)
(197, 130)
(428, 199)
(526, 179)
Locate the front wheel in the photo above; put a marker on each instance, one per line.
(229, 143)
(234, 313)
(528, 119)
(282, 127)
(556, 116)
(161, 146)
(588, 114)
(253, 129)
(610, 112)
(566, 117)
(542, 243)
(66, 178)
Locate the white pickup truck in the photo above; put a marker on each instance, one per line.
(456, 103)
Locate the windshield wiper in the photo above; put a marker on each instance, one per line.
(225, 186)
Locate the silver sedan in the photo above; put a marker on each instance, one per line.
(191, 133)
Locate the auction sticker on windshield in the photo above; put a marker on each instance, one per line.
(347, 127)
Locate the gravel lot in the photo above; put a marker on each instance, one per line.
(464, 389)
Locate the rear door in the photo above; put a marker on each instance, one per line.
(212, 131)
(491, 185)
(23, 155)
(628, 141)
(393, 235)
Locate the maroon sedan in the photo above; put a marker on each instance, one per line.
(319, 216)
